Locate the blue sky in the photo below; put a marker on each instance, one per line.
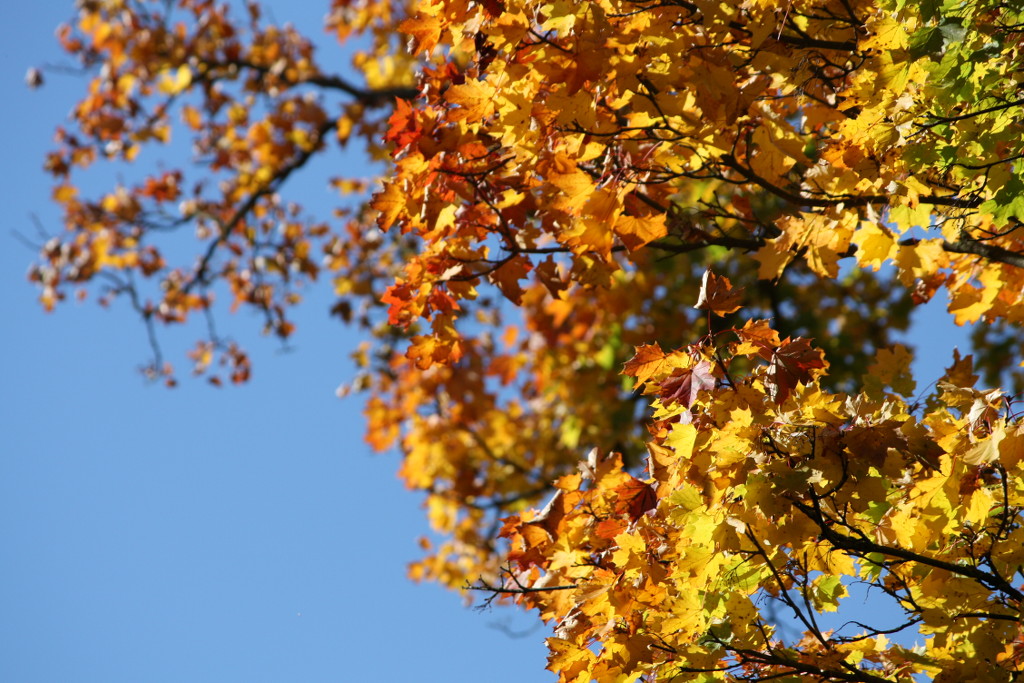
(243, 534)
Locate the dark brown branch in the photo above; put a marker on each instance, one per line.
(784, 592)
(228, 227)
(368, 96)
(482, 585)
(938, 120)
(847, 200)
(872, 632)
(778, 658)
(861, 545)
(982, 167)
(989, 251)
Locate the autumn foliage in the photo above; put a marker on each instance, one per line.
(632, 278)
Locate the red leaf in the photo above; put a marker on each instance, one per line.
(635, 498)
(403, 126)
(683, 385)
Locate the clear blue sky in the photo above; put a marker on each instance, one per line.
(197, 535)
(200, 534)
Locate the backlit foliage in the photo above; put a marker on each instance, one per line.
(644, 260)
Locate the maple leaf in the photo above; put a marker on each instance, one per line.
(180, 80)
(398, 297)
(635, 232)
(424, 31)
(755, 336)
(404, 127)
(634, 498)
(684, 384)
(648, 361)
(474, 100)
(509, 274)
(773, 259)
(961, 373)
(389, 204)
(793, 362)
(576, 185)
(891, 368)
(717, 295)
(1008, 202)
(875, 244)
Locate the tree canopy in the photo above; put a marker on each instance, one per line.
(631, 279)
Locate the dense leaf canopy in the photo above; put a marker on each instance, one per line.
(631, 282)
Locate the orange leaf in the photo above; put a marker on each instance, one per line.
(755, 336)
(508, 275)
(577, 186)
(403, 126)
(637, 231)
(648, 361)
(424, 32)
(389, 203)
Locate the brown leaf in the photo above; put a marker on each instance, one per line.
(793, 362)
(717, 295)
(508, 275)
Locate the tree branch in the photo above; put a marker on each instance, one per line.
(864, 546)
(847, 200)
(989, 251)
(368, 96)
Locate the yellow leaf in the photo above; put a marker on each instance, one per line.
(919, 260)
(891, 368)
(978, 507)
(588, 234)
(172, 83)
(635, 232)
(630, 550)
(682, 439)
(886, 34)
(768, 161)
(191, 116)
(875, 244)
(475, 100)
(773, 260)
(64, 193)
(389, 203)
(970, 303)
(986, 451)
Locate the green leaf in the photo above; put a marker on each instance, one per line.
(1008, 202)
(925, 41)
